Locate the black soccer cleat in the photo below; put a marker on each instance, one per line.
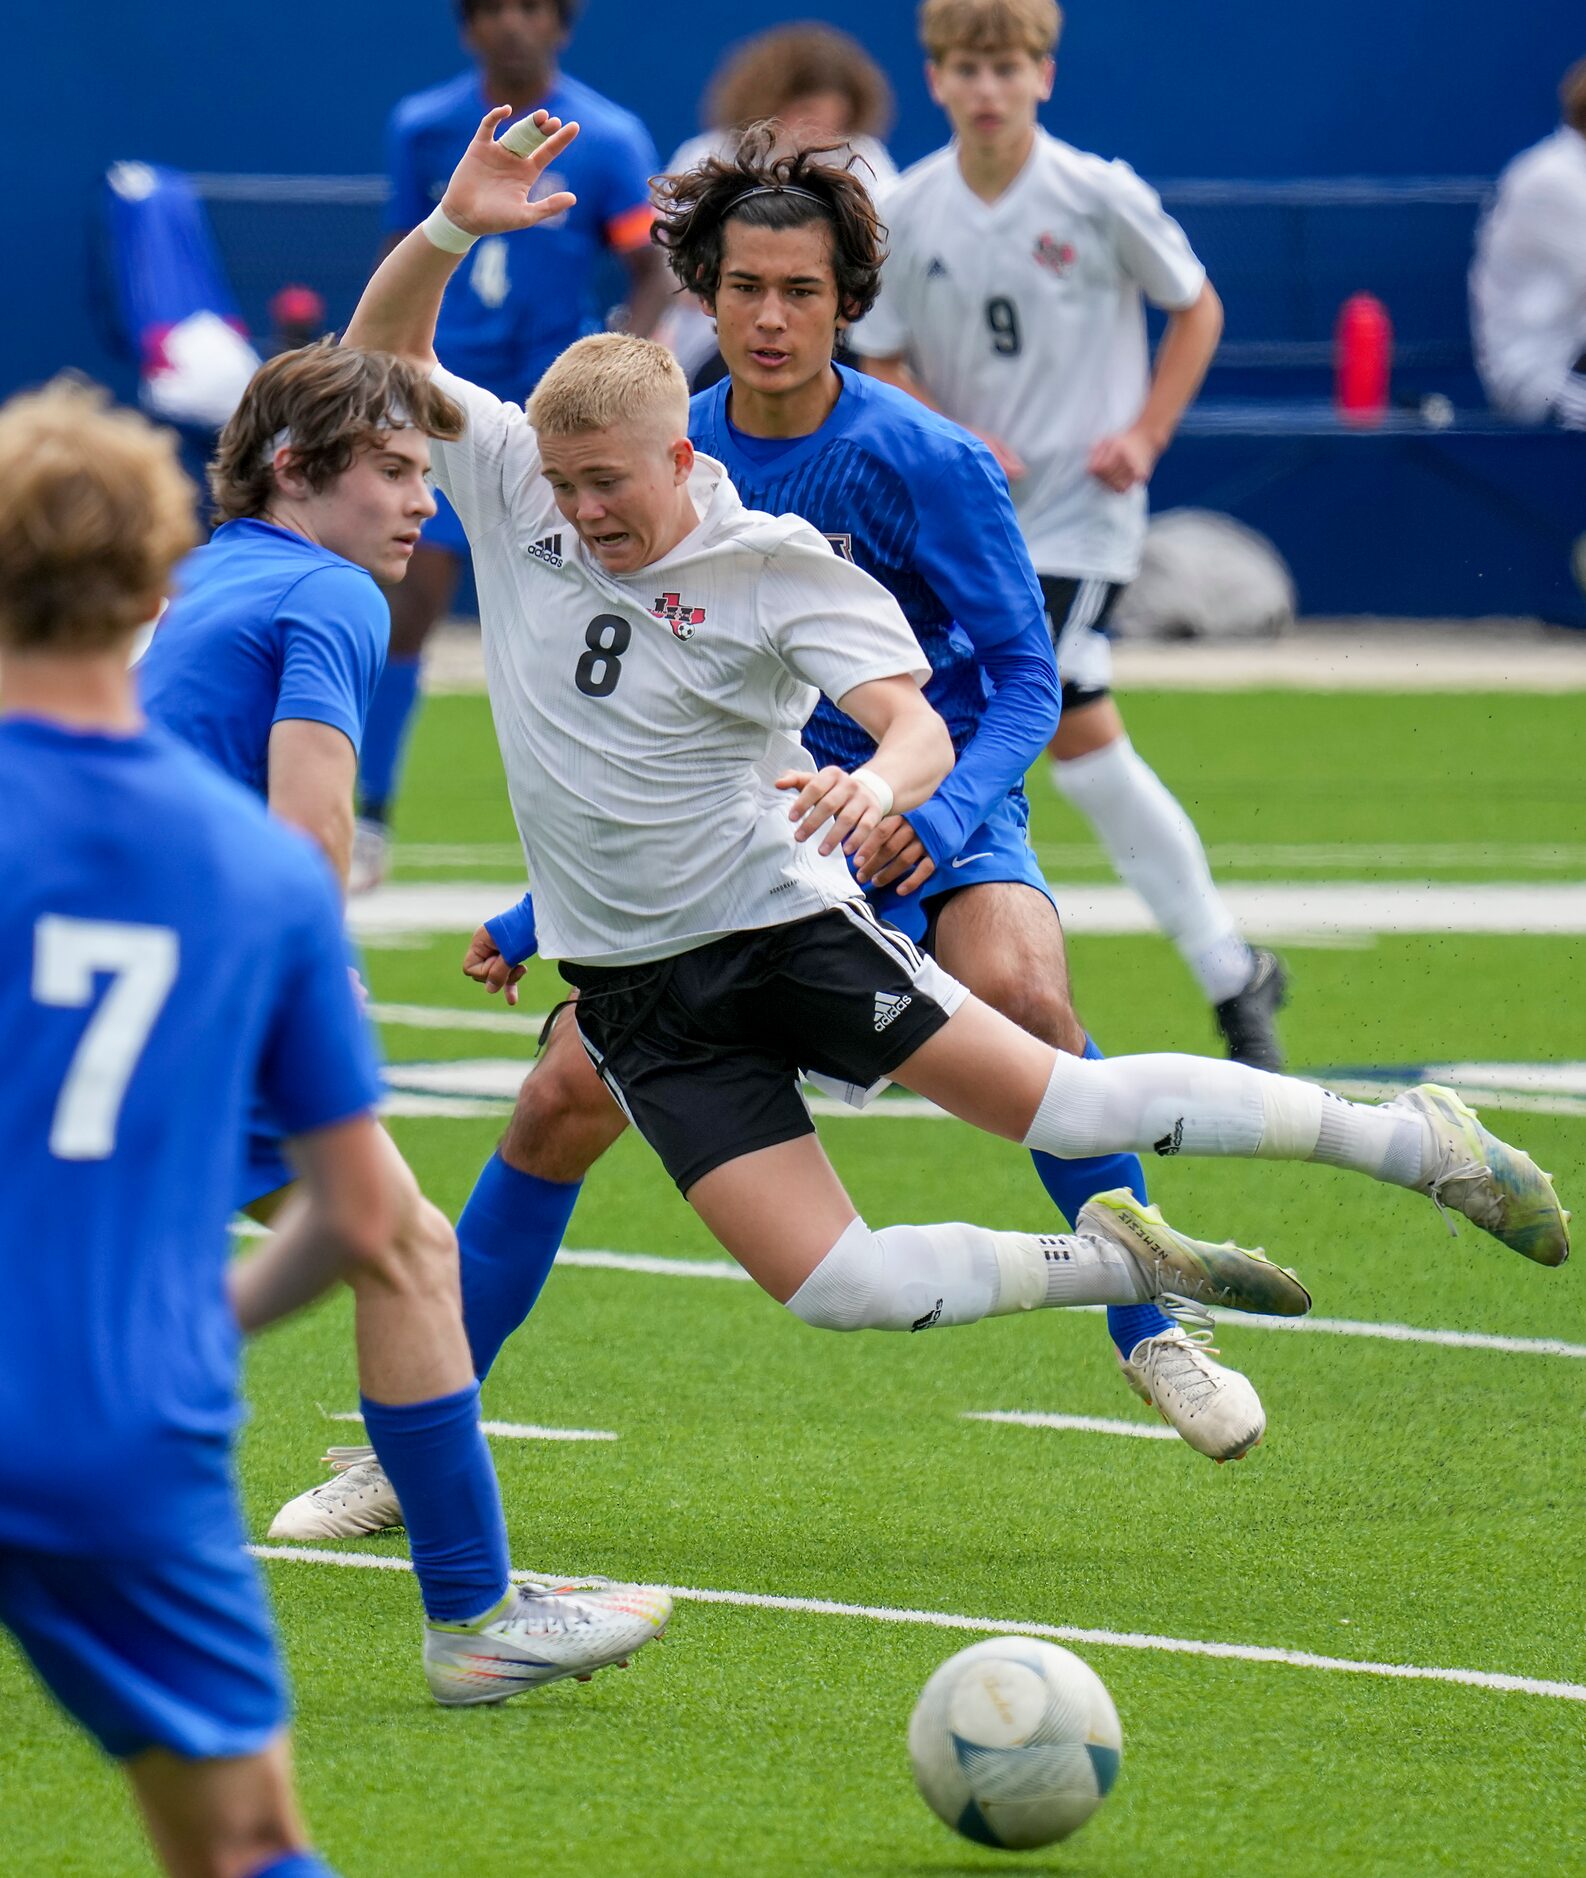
(1248, 1020)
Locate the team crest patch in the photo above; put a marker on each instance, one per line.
(682, 619)
(1057, 257)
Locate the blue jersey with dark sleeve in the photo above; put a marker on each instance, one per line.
(165, 949)
(922, 506)
(518, 300)
(265, 625)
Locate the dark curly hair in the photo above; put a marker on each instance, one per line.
(694, 207)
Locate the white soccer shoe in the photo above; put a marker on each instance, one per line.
(371, 856)
(537, 1636)
(1176, 1266)
(1215, 1409)
(1499, 1188)
(355, 1502)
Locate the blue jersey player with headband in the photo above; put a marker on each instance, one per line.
(500, 328)
(264, 662)
(167, 948)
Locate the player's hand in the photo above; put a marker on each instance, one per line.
(489, 190)
(485, 965)
(832, 800)
(891, 853)
(1124, 460)
(1012, 465)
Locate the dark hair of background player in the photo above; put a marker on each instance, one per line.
(694, 207)
(566, 10)
(1572, 96)
(765, 75)
(330, 400)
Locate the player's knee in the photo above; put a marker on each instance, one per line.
(841, 1293)
(564, 1120)
(1039, 1007)
(419, 1254)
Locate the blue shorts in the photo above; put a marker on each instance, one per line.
(175, 1653)
(264, 1168)
(998, 850)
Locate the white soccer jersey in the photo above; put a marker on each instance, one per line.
(644, 718)
(1023, 319)
(1528, 282)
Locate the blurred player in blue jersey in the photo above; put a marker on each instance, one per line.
(265, 662)
(500, 327)
(165, 949)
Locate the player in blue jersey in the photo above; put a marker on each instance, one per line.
(265, 662)
(165, 948)
(499, 327)
(785, 249)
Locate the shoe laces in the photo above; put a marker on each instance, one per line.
(354, 1471)
(1184, 1360)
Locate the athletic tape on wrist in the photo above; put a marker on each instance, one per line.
(876, 786)
(443, 233)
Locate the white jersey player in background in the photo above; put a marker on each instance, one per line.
(1012, 301)
(652, 649)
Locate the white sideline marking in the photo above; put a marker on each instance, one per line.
(1085, 1424)
(1264, 910)
(524, 1024)
(1325, 1326)
(1061, 1633)
(510, 1431)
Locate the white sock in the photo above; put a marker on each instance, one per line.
(1198, 1105)
(1153, 846)
(915, 1277)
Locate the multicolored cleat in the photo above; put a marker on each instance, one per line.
(536, 1636)
(1499, 1188)
(1176, 1266)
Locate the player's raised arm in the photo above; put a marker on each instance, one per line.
(489, 194)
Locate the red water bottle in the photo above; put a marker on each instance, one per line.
(1362, 355)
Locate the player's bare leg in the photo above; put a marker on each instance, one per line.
(565, 1117)
(783, 1214)
(219, 1818)
(1153, 846)
(423, 597)
(1004, 941)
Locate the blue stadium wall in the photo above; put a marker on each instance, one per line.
(1227, 88)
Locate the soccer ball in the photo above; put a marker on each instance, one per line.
(1015, 1742)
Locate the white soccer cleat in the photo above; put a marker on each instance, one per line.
(1173, 1265)
(371, 856)
(537, 1636)
(355, 1502)
(1499, 1188)
(1215, 1409)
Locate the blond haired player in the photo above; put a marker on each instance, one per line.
(1012, 301)
(652, 648)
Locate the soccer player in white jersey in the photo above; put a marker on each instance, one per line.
(688, 876)
(1011, 300)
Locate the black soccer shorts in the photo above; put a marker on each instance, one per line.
(703, 1051)
(1077, 616)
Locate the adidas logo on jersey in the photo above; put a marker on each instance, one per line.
(937, 269)
(548, 548)
(890, 1006)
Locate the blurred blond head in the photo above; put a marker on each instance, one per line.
(95, 512)
(1030, 26)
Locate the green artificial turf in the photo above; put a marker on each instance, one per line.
(1414, 1504)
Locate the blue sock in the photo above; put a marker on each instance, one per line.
(507, 1241)
(385, 733)
(295, 1865)
(1071, 1184)
(436, 1457)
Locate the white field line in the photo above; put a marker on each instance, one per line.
(509, 1431)
(996, 1626)
(1324, 1326)
(1083, 1424)
(1267, 910)
(523, 1024)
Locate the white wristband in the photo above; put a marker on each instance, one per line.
(875, 785)
(443, 233)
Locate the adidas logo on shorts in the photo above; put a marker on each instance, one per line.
(890, 1005)
(548, 549)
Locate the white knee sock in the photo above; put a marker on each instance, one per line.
(1197, 1105)
(1153, 846)
(915, 1277)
